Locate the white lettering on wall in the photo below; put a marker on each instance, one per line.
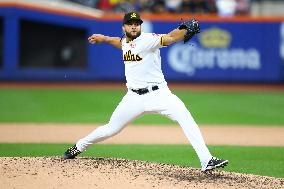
(187, 59)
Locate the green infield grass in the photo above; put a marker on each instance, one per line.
(267, 161)
(96, 106)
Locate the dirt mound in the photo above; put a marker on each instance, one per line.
(53, 172)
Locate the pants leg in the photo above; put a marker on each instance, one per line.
(128, 109)
(172, 107)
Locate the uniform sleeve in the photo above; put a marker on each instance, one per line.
(154, 41)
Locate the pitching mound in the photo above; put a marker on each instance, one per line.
(53, 172)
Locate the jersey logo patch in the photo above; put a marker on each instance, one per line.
(132, 45)
(128, 56)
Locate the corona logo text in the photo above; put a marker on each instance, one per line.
(189, 59)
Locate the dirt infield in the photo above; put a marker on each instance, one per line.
(139, 134)
(53, 172)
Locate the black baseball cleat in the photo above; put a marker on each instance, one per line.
(71, 153)
(215, 163)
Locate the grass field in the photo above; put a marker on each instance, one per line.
(267, 161)
(96, 106)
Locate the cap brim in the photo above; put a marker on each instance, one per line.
(139, 20)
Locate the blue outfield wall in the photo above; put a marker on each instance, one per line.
(223, 51)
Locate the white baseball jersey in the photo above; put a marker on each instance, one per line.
(143, 61)
(143, 69)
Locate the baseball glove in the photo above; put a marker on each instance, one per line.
(192, 28)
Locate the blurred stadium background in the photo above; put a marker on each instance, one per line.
(45, 40)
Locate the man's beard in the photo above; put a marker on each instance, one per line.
(132, 37)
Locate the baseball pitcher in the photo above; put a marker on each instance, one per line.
(147, 89)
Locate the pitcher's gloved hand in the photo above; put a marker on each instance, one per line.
(192, 27)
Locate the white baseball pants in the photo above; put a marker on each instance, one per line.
(161, 101)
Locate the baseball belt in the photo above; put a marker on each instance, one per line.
(143, 91)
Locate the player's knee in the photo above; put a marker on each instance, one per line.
(112, 129)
